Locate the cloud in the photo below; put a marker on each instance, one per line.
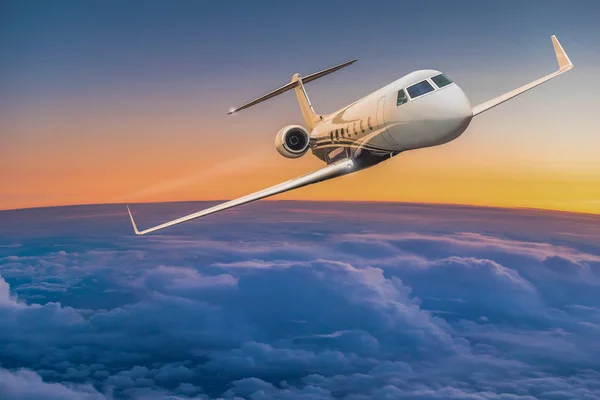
(27, 385)
(5, 298)
(178, 278)
(392, 304)
(481, 242)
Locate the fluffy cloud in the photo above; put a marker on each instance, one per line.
(27, 385)
(397, 302)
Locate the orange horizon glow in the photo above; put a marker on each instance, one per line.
(442, 175)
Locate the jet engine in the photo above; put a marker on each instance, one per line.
(292, 141)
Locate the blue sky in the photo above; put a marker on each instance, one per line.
(63, 49)
(135, 95)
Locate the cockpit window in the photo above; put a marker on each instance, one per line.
(419, 89)
(441, 80)
(401, 97)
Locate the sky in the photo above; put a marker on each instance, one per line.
(295, 300)
(105, 101)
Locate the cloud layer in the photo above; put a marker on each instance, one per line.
(301, 301)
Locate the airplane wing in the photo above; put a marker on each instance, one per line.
(333, 170)
(564, 65)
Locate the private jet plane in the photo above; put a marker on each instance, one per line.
(422, 109)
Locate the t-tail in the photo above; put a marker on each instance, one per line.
(311, 118)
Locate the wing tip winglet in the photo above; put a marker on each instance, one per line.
(564, 62)
(135, 229)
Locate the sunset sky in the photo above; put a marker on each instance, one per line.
(110, 102)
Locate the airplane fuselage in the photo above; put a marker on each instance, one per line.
(391, 120)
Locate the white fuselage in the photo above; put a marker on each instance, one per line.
(376, 127)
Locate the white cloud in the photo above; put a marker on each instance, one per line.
(28, 385)
(403, 313)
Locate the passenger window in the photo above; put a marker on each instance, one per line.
(441, 80)
(419, 89)
(337, 136)
(331, 136)
(354, 128)
(401, 98)
(369, 123)
(342, 132)
(362, 129)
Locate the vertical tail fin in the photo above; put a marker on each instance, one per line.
(308, 113)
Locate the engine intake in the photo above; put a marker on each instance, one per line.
(292, 141)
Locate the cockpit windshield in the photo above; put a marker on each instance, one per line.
(441, 80)
(419, 89)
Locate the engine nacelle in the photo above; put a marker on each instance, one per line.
(292, 141)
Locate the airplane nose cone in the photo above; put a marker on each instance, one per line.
(455, 112)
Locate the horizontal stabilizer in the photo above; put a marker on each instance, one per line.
(294, 83)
